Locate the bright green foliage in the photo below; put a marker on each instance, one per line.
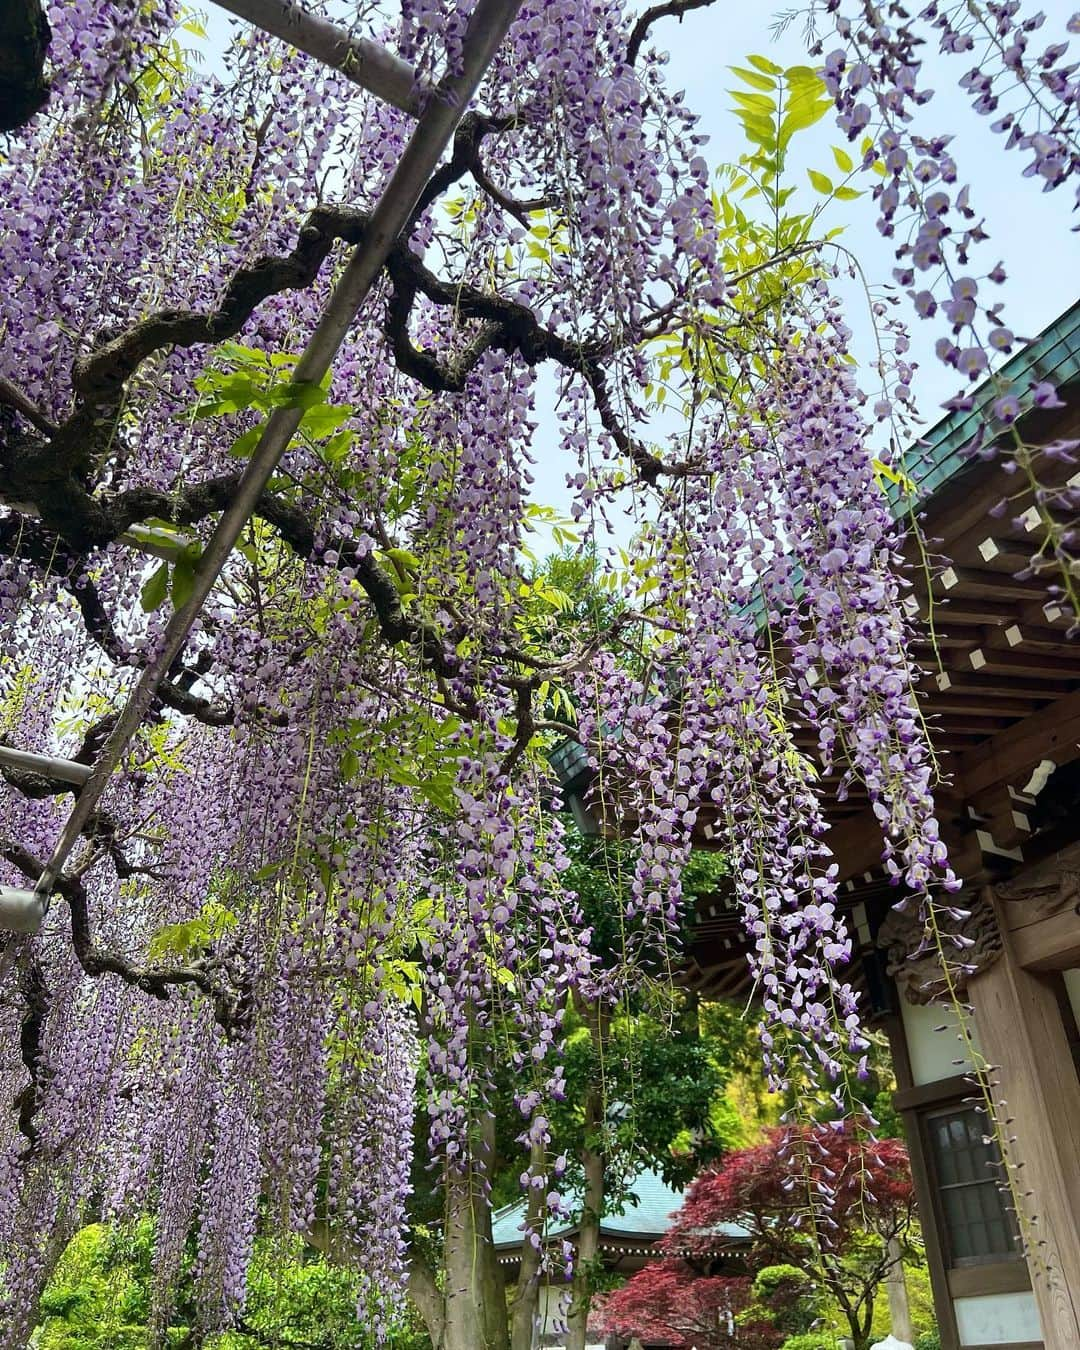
(662, 1077)
(920, 1305)
(99, 1299)
(812, 1340)
(769, 249)
(663, 1090)
(781, 1301)
(784, 1297)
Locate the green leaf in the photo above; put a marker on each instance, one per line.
(844, 162)
(183, 582)
(325, 418)
(897, 476)
(177, 939)
(225, 393)
(337, 447)
(761, 130)
(803, 78)
(753, 79)
(757, 103)
(846, 194)
(245, 444)
(350, 765)
(154, 592)
(298, 394)
(803, 112)
(763, 64)
(820, 182)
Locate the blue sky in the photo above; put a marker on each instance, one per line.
(1029, 230)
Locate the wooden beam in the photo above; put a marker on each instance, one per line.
(970, 684)
(1053, 943)
(951, 721)
(960, 611)
(1031, 637)
(1031, 665)
(1052, 733)
(958, 706)
(928, 645)
(975, 583)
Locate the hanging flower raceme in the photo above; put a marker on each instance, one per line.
(877, 81)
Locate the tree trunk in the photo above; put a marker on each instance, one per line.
(24, 42)
(427, 1297)
(526, 1305)
(592, 1200)
(896, 1288)
(475, 1297)
(588, 1243)
(860, 1326)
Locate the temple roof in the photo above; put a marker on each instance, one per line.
(644, 1215)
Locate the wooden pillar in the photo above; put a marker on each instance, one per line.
(1037, 1103)
(920, 1176)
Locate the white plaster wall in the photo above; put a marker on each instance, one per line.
(997, 1319)
(553, 1311)
(933, 1053)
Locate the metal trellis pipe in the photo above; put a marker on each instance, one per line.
(488, 26)
(364, 62)
(66, 770)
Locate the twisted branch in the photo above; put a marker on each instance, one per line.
(230, 1003)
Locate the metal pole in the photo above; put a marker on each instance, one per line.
(365, 63)
(21, 911)
(490, 21)
(67, 770)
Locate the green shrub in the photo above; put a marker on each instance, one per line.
(785, 1297)
(928, 1340)
(811, 1340)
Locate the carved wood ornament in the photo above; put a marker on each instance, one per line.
(912, 957)
(1046, 888)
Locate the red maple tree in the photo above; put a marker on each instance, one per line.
(827, 1200)
(672, 1303)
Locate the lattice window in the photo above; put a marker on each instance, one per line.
(976, 1221)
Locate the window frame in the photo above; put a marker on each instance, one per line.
(952, 1262)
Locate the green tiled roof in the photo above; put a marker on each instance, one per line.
(936, 457)
(650, 1217)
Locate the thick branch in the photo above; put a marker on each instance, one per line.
(508, 326)
(13, 397)
(465, 159)
(231, 1005)
(296, 528)
(672, 9)
(365, 63)
(100, 376)
(24, 43)
(35, 994)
